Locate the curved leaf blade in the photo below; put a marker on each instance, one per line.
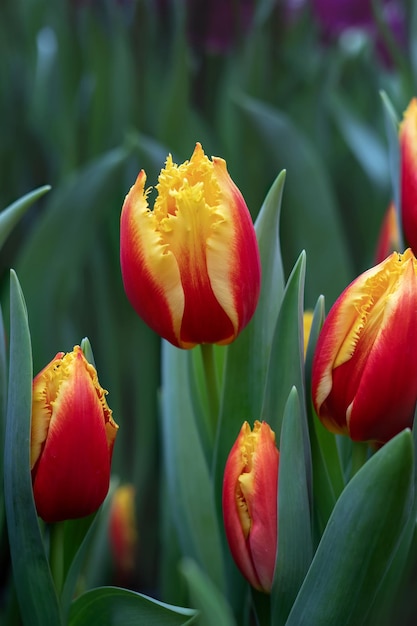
(360, 540)
(33, 581)
(113, 606)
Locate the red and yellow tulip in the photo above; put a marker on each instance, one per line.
(191, 266)
(123, 532)
(408, 150)
(364, 378)
(389, 235)
(72, 438)
(250, 503)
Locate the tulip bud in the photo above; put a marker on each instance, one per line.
(123, 532)
(190, 267)
(408, 150)
(72, 438)
(389, 236)
(250, 503)
(307, 323)
(364, 377)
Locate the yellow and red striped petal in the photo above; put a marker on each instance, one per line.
(190, 267)
(364, 380)
(389, 236)
(250, 503)
(73, 434)
(408, 150)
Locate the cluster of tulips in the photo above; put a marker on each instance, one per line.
(191, 269)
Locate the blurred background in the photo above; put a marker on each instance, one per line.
(92, 91)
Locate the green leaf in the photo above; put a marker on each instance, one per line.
(77, 535)
(247, 358)
(360, 540)
(34, 586)
(12, 214)
(286, 366)
(295, 549)
(113, 606)
(328, 481)
(212, 605)
(247, 362)
(64, 234)
(190, 490)
(361, 138)
(312, 223)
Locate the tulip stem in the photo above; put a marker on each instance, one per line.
(212, 383)
(359, 456)
(262, 608)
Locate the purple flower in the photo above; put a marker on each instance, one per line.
(215, 26)
(337, 16)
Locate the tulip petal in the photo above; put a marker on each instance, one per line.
(250, 503)
(146, 261)
(71, 476)
(408, 148)
(385, 400)
(235, 511)
(191, 267)
(365, 365)
(263, 508)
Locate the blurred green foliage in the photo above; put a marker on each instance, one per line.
(93, 91)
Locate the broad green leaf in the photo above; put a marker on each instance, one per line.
(62, 239)
(190, 490)
(310, 218)
(390, 605)
(364, 143)
(113, 606)
(34, 585)
(328, 481)
(359, 541)
(286, 365)
(247, 362)
(3, 415)
(13, 213)
(295, 547)
(247, 358)
(211, 604)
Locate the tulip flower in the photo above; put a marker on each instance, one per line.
(72, 438)
(307, 323)
(123, 532)
(336, 17)
(364, 378)
(250, 503)
(190, 267)
(389, 236)
(408, 150)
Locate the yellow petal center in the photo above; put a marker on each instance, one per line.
(371, 302)
(245, 486)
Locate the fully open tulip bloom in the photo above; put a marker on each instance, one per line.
(250, 503)
(364, 379)
(72, 439)
(408, 149)
(190, 267)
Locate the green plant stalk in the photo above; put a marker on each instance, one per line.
(212, 384)
(359, 456)
(56, 554)
(261, 603)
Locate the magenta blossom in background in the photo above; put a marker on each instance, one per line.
(337, 16)
(216, 25)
